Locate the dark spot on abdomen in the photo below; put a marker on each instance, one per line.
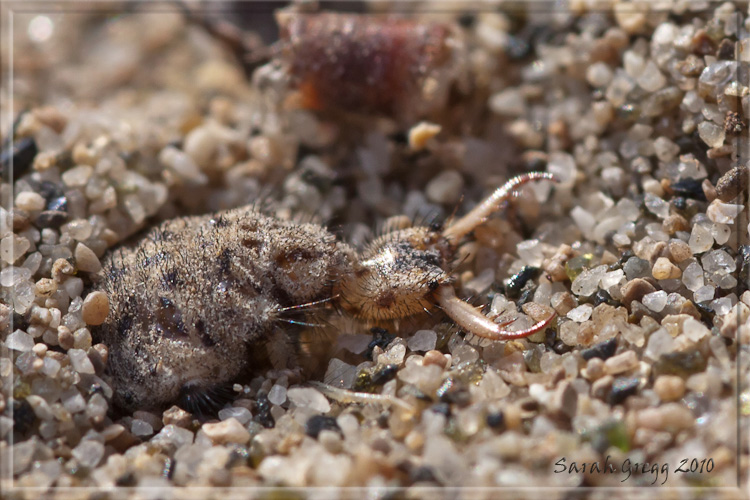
(170, 279)
(250, 242)
(225, 261)
(124, 324)
(288, 258)
(206, 339)
(169, 322)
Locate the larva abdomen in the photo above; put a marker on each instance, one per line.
(196, 296)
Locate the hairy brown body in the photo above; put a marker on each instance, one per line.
(191, 300)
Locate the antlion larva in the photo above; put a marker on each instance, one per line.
(199, 298)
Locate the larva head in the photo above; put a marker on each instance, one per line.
(397, 275)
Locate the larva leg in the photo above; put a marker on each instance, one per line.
(473, 321)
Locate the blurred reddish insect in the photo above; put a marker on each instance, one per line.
(383, 65)
(362, 63)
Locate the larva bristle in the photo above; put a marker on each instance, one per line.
(204, 401)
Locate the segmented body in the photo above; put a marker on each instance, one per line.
(197, 294)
